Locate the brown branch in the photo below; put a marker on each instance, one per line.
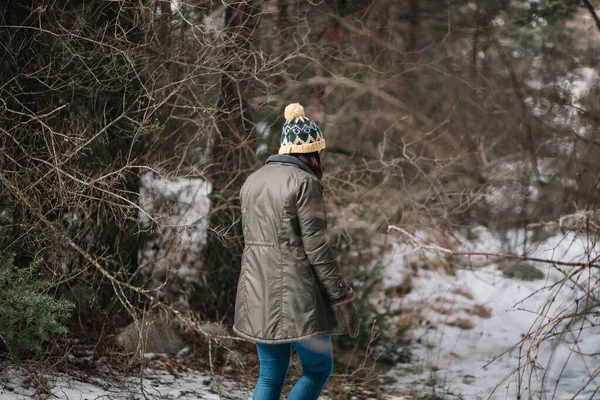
(420, 245)
(590, 8)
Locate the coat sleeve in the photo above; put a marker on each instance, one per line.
(313, 227)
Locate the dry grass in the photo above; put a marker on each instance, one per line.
(463, 292)
(462, 323)
(438, 308)
(481, 311)
(407, 319)
(401, 290)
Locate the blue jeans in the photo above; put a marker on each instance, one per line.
(316, 357)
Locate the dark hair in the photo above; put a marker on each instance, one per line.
(313, 160)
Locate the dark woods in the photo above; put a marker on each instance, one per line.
(426, 106)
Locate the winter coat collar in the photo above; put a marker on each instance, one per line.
(287, 159)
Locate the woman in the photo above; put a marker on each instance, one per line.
(291, 292)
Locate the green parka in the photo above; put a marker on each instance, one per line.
(289, 275)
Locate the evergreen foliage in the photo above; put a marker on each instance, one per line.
(28, 316)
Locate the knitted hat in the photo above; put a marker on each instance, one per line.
(300, 134)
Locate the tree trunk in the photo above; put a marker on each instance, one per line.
(232, 157)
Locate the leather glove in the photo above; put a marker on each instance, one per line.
(346, 310)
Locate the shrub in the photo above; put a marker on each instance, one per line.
(362, 266)
(28, 316)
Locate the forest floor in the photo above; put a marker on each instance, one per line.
(160, 381)
(462, 345)
(475, 321)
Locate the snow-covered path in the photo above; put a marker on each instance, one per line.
(157, 384)
(457, 361)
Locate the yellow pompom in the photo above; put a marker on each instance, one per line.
(293, 111)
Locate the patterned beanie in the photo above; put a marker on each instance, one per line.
(300, 134)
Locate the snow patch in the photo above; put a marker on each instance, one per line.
(479, 363)
(178, 210)
(161, 384)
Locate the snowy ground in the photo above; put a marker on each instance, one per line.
(469, 361)
(175, 211)
(458, 361)
(157, 384)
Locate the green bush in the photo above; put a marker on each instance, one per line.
(28, 316)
